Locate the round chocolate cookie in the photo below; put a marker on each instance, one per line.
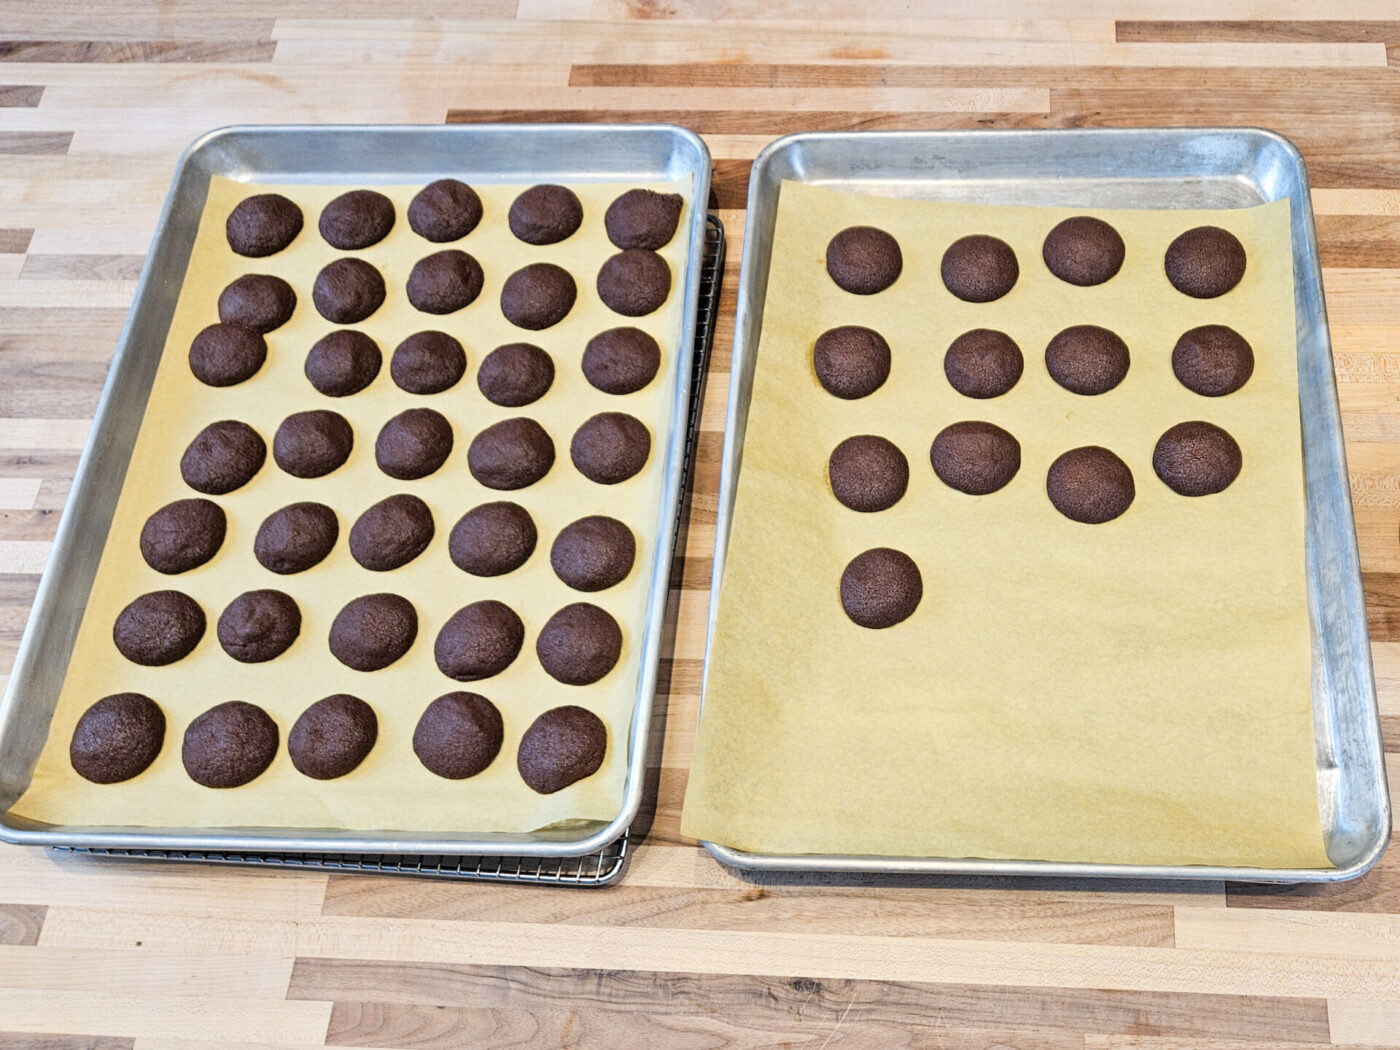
(562, 746)
(1213, 360)
(979, 269)
(258, 626)
(593, 553)
(356, 220)
(881, 587)
(511, 454)
(1086, 359)
(444, 282)
(332, 737)
(868, 473)
(621, 360)
(391, 533)
(183, 535)
(258, 301)
(312, 444)
(643, 219)
(347, 291)
(1205, 262)
(262, 225)
(413, 444)
(373, 631)
(1090, 484)
(227, 354)
(515, 375)
(975, 457)
(229, 745)
(851, 361)
(479, 641)
(1197, 459)
(545, 214)
(343, 362)
(445, 210)
(222, 457)
(864, 260)
(538, 296)
(634, 282)
(492, 539)
(428, 363)
(158, 628)
(983, 363)
(579, 645)
(610, 447)
(458, 735)
(1083, 251)
(296, 537)
(117, 738)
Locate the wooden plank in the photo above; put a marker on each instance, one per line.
(18, 493)
(1364, 1022)
(83, 267)
(204, 1017)
(24, 556)
(21, 94)
(14, 241)
(1359, 240)
(1261, 30)
(26, 1041)
(135, 973)
(1289, 932)
(935, 9)
(105, 51)
(20, 923)
(35, 141)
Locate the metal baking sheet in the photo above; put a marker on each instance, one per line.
(362, 155)
(1117, 168)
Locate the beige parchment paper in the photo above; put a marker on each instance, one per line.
(1133, 692)
(391, 789)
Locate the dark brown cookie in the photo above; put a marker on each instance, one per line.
(428, 363)
(1197, 459)
(258, 301)
(864, 260)
(312, 444)
(1090, 484)
(621, 360)
(222, 457)
(183, 535)
(545, 214)
(413, 444)
(1205, 262)
(343, 362)
(444, 282)
(634, 282)
(579, 645)
(643, 219)
(373, 631)
(445, 210)
(983, 363)
(229, 745)
(332, 737)
(868, 473)
(881, 587)
(979, 269)
(1086, 359)
(851, 361)
(511, 454)
(975, 457)
(564, 745)
(227, 354)
(391, 533)
(479, 641)
(1083, 251)
(538, 296)
(296, 537)
(117, 738)
(158, 628)
(610, 447)
(1213, 360)
(347, 291)
(515, 375)
(356, 220)
(593, 553)
(492, 539)
(262, 225)
(258, 626)
(458, 735)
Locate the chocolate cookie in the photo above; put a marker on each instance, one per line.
(428, 363)
(343, 362)
(979, 269)
(864, 260)
(262, 225)
(229, 745)
(444, 282)
(538, 296)
(312, 444)
(634, 282)
(117, 738)
(545, 214)
(183, 535)
(158, 628)
(296, 537)
(356, 220)
(579, 645)
(258, 626)
(610, 447)
(445, 210)
(222, 457)
(479, 641)
(1083, 251)
(564, 745)
(492, 539)
(413, 444)
(983, 363)
(880, 588)
(391, 533)
(258, 301)
(975, 457)
(1205, 262)
(593, 553)
(1090, 484)
(851, 361)
(643, 219)
(511, 454)
(621, 360)
(347, 291)
(332, 737)
(458, 735)
(371, 632)
(227, 354)
(1197, 459)
(1213, 360)
(515, 375)
(1086, 359)
(868, 473)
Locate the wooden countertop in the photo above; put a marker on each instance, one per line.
(96, 102)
